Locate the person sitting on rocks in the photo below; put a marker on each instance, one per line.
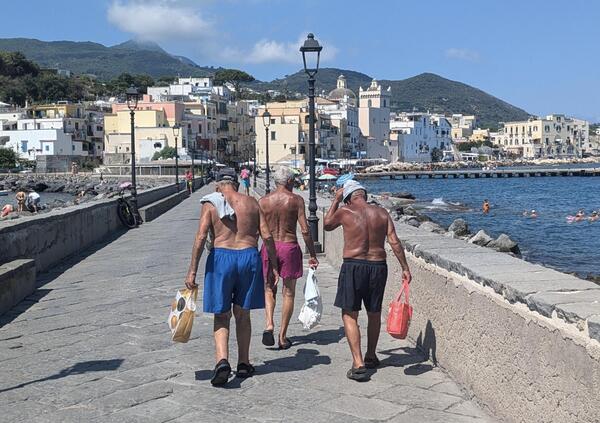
(363, 274)
(6, 210)
(20, 197)
(33, 202)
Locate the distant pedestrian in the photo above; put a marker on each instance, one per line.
(189, 178)
(74, 168)
(33, 202)
(245, 175)
(363, 274)
(20, 197)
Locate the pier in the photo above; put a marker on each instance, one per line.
(480, 173)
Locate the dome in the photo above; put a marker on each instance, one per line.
(341, 92)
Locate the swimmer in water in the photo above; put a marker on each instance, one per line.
(486, 206)
(580, 215)
(525, 213)
(594, 216)
(533, 214)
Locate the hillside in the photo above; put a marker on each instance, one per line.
(423, 92)
(104, 62)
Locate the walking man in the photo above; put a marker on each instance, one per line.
(234, 273)
(363, 274)
(283, 210)
(245, 175)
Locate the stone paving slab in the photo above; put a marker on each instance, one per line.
(92, 345)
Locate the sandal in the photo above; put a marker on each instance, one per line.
(221, 373)
(359, 374)
(286, 345)
(372, 363)
(245, 370)
(268, 339)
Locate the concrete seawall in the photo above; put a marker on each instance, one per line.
(50, 237)
(517, 336)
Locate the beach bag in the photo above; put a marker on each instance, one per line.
(181, 317)
(312, 309)
(399, 314)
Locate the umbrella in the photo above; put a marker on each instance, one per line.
(327, 177)
(307, 176)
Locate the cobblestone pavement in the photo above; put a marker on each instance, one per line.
(92, 345)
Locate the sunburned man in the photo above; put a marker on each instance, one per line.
(363, 274)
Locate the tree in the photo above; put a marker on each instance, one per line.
(8, 158)
(234, 76)
(436, 155)
(15, 64)
(165, 153)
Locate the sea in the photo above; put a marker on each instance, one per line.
(550, 239)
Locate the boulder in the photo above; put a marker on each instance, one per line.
(403, 194)
(504, 244)
(459, 227)
(481, 238)
(432, 227)
(409, 220)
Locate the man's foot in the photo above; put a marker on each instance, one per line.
(268, 339)
(245, 370)
(372, 362)
(358, 374)
(285, 345)
(221, 373)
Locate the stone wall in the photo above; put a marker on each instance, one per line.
(520, 338)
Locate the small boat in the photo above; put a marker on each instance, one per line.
(4, 193)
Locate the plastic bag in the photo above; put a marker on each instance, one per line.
(312, 309)
(181, 317)
(400, 314)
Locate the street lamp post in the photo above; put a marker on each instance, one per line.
(294, 153)
(132, 97)
(311, 53)
(176, 132)
(255, 167)
(267, 122)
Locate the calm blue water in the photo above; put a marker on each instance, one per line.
(549, 239)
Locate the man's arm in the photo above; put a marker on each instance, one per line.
(203, 228)
(397, 248)
(312, 262)
(265, 234)
(333, 218)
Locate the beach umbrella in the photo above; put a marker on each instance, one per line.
(327, 177)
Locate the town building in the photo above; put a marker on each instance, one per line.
(374, 119)
(419, 137)
(555, 136)
(462, 127)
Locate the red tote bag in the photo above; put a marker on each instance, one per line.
(399, 314)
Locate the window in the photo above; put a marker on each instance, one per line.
(273, 135)
(24, 146)
(76, 126)
(272, 121)
(47, 147)
(384, 102)
(369, 103)
(306, 119)
(73, 147)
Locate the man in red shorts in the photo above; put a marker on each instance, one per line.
(283, 210)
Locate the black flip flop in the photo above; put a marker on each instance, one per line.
(372, 363)
(245, 370)
(358, 374)
(268, 339)
(221, 373)
(286, 345)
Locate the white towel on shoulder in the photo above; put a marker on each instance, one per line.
(218, 200)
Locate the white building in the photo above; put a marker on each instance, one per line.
(374, 118)
(417, 137)
(189, 89)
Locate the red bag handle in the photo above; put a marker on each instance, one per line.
(405, 289)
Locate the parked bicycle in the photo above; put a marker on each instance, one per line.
(127, 213)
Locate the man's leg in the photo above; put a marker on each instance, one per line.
(373, 329)
(221, 332)
(287, 308)
(270, 294)
(352, 330)
(243, 329)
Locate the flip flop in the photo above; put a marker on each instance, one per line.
(359, 374)
(268, 339)
(245, 370)
(372, 363)
(286, 345)
(221, 373)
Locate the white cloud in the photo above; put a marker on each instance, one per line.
(462, 54)
(158, 20)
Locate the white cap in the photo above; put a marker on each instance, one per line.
(351, 186)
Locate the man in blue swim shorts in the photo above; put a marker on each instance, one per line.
(234, 274)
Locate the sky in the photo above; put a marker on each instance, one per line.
(540, 55)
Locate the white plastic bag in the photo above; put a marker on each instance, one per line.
(310, 313)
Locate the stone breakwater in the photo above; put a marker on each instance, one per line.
(81, 188)
(402, 209)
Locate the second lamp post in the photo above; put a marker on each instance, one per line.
(267, 122)
(176, 132)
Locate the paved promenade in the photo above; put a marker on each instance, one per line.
(92, 345)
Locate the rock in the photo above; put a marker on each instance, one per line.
(481, 238)
(424, 218)
(403, 194)
(504, 244)
(410, 211)
(432, 227)
(459, 227)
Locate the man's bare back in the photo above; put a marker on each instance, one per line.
(281, 209)
(240, 232)
(365, 230)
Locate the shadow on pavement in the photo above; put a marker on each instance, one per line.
(427, 343)
(412, 360)
(322, 337)
(23, 306)
(76, 369)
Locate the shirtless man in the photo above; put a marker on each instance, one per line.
(364, 271)
(233, 268)
(283, 210)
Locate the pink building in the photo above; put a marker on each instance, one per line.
(174, 110)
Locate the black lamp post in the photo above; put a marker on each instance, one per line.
(295, 160)
(311, 54)
(255, 167)
(132, 97)
(267, 122)
(176, 132)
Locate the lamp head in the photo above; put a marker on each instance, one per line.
(132, 95)
(311, 55)
(266, 118)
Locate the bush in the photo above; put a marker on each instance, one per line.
(8, 158)
(165, 153)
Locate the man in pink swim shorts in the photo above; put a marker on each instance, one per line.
(283, 210)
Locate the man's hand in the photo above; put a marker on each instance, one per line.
(339, 195)
(313, 263)
(406, 276)
(190, 281)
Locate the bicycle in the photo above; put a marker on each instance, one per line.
(127, 213)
